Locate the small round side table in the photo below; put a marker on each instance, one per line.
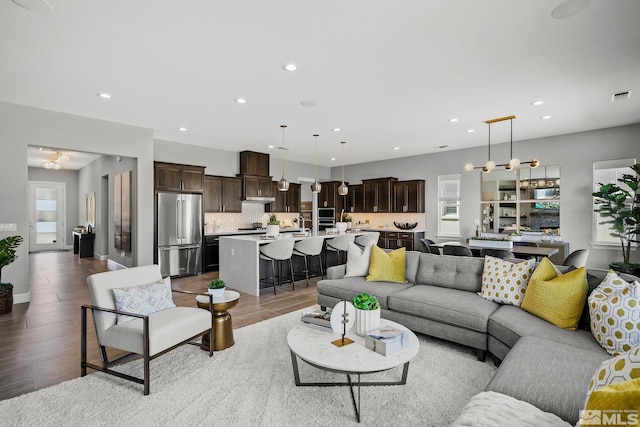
(223, 328)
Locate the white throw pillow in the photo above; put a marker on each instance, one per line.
(143, 299)
(621, 368)
(505, 282)
(614, 309)
(358, 260)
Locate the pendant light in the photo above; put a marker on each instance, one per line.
(513, 162)
(283, 184)
(343, 190)
(316, 187)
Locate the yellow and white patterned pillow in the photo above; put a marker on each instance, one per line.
(614, 309)
(505, 282)
(624, 367)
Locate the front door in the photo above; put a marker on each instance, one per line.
(46, 216)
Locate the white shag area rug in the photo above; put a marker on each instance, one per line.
(251, 384)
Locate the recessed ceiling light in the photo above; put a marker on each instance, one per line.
(290, 67)
(396, 148)
(182, 129)
(545, 117)
(40, 149)
(453, 120)
(241, 100)
(104, 95)
(336, 129)
(269, 146)
(536, 103)
(333, 159)
(308, 103)
(41, 6)
(470, 130)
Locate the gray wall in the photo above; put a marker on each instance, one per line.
(575, 153)
(21, 126)
(70, 178)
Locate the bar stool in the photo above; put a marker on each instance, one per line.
(278, 250)
(339, 245)
(309, 247)
(363, 239)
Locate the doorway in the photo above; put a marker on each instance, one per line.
(47, 210)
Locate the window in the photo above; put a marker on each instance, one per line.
(449, 205)
(605, 172)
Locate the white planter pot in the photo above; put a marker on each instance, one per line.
(273, 230)
(493, 244)
(367, 320)
(217, 293)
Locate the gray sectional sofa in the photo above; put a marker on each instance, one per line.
(541, 364)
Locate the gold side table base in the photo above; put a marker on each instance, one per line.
(222, 326)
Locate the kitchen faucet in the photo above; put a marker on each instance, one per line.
(302, 222)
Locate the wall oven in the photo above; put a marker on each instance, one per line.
(326, 218)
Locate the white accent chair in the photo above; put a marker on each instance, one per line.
(278, 250)
(309, 247)
(148, 335)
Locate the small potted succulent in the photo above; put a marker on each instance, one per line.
(8, 254)
(217, 287)
(367, 313)
(273, 226)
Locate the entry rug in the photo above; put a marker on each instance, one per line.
(251, 384)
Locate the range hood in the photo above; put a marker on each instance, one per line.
(258, 199)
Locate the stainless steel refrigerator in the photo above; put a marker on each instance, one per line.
(179, 234)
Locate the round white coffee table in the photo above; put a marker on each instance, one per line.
(314, 347)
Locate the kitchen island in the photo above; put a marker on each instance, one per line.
(240, 258)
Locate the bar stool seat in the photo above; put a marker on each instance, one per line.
(309, 247)
(363, 239)
(278, 250)
(339, 245)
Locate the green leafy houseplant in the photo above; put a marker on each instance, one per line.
(217, 284)
(273, 220)
(620, 205)
(8, 247)
(366, 302)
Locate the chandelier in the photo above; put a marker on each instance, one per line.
(55, 164)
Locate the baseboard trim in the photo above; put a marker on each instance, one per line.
(101, 257)
(115, 265)
(22, 298)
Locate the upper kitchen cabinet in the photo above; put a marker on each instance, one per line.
(286, 201)
(378, 194)
(328, 195)
(408, 196)
(222, 194)
(256, 187)
(355, 199)
(175, 177)
(254, 163)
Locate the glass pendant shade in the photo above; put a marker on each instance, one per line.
(283, 184)
(343, 190)
(316, 187)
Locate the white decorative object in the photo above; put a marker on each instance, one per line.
(273, 230)
(341, 226)
(342, 310)
(367, 320)
(495, 244)
(217, 293)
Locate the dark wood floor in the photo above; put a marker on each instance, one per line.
(40, 340)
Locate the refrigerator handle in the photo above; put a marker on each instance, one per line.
(178, 221)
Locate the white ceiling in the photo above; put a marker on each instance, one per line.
(388, 73)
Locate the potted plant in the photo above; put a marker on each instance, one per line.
(8, 254)
(620, 205)
(217, 287)
(367, 313)
(273, 226)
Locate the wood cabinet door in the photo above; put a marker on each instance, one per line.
(256, 186)
(355, 199)
(400, 197)
(254, 163)
(293, 198)
(370, 196)
(266, 187)
(327, 195)
(281, 196)
(167, 177)
(212, 198)
(192, 179)
(232, 194)
(384, 196)
(414, 197)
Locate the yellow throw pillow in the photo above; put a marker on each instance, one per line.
(619, 402)
(505, 282)
(387, 266)
(558, 299)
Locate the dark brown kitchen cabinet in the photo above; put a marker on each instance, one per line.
(401, 239)
(175, 177)
(355, 199)
(256, 186)
(254, 163)
(328, 194)
(222, 194)
(286, 201)
(378, 194)
(408, 196)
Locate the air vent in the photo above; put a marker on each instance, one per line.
(620, 96)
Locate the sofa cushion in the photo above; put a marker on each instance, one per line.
(550, 375)
(505, 282)
(447, 271)
(614, 309)
(346, 289)
(450, 306)
(387, 266)
(558, 299)
(509, 323)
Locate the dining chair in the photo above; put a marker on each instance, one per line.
(430, 249)
(456, 250)
(497, 253)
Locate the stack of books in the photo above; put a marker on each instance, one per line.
(386, 340)
(317, 318)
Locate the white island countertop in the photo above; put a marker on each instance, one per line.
(240, 258)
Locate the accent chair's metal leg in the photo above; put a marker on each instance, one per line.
(145, 347)
(83, 343)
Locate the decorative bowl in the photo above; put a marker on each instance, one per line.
(405, 225)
